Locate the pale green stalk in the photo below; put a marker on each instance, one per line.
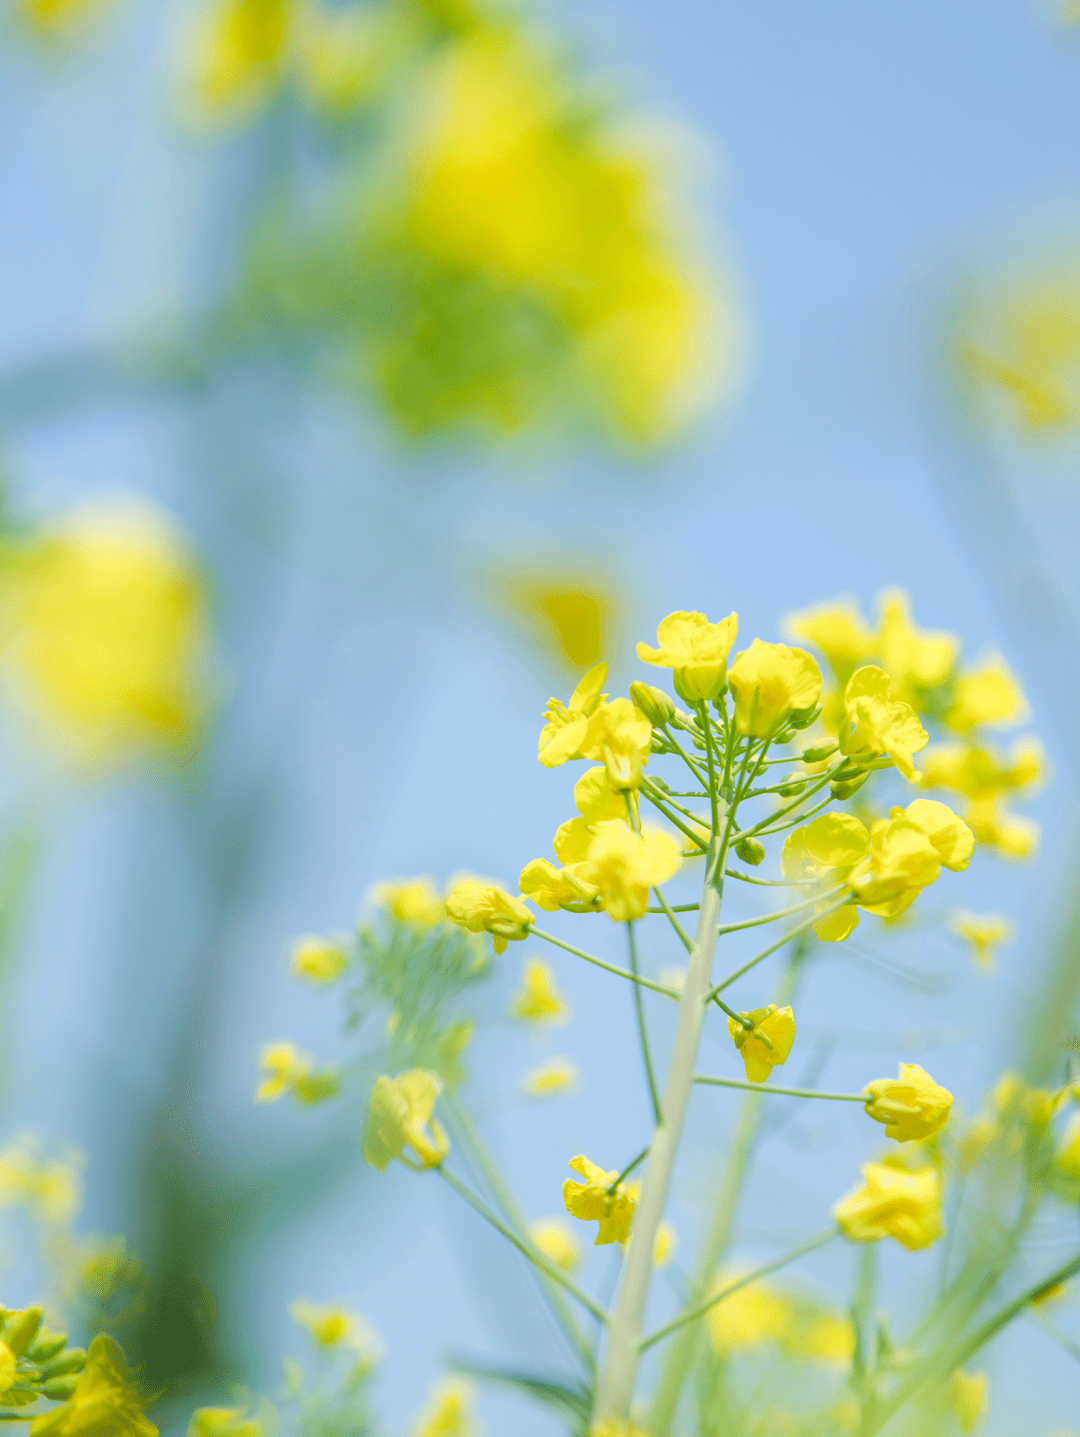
(607, 967)
(767, 1088)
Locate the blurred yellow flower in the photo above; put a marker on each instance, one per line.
(875, 724)
(449, 1411)
(8, 1364)
(49, 1187)
(667, 1239)
(696, 650)
(284, 1065)
(318, 960)
(592, 1202)
(628, 864)
(231, 58)
(752, 1315)
(990, 695)
(538, 1000)
(983, 773)
(337, 1326)
(969, 1394)
(484, 907)
(983, 933)
(105, 1400)
(563, 735)
(1069, 1153)
(915, 659)
(553, 1078)
(416, 901)
(841, 634)
(771, 683)
(227, 1422)
(778, 1025)
(347, 56)
(401, 1117)
(912, 1105)
(556, 1242)
(104, 629)
(616, 1427)
(59, 19)
(825, 1338)
(993, 824)
(571, 616)
(893, 1203)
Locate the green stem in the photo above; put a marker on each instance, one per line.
(788, 1092)
(796, 802)
(643, 1034)
(527, 1249)
(782, 912)
(665, 809)
(791, 933)
(629, 1169)
(691, 765)
(699, 1309)
(608, 967)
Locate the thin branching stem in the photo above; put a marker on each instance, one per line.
(791, 933)
(607, 967)
(770, 1088)
(643, 1034)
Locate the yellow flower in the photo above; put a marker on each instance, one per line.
(104, 626)
(556, 1243)
(893, 1203)
(825, 1338)
(753, 1315)
(337, 1326)
(591, 1201)
(51, 1188)
(628, 864)
(1069, 1154)
(772, 684)
(449, 1411)
(596, 800)
(105, 1402)
(538, 1000)
(969, 1394)
(317, 959)
(875, 724)
(227, 1422)
(983, 932)
(984, 773)
(778, 1025)
(551, 1079)
(573, 887)
(480, 906)
(563, 736)
(990, 695)
(616, 1427)
(664, 1247)
(825, 852)
(907, 852)
(696, 650)
(233, 58)
(569, 616)
(914, 659)
(59, 19)
(841, 634)
(401, 1117)
(8, 1364)
(284, 1066)
(993, 825)
(912, 1105)
(415, 901)
(620, 735)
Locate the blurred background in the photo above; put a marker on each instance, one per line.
(366, 372)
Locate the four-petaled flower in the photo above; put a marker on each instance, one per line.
(696, 650)
(875, 724)
(778, 1025)
(401, 1117)
(771, 684)
(893, 1202)
(480, 907)
(564, 733)
(911, 1105)
(596, 1200)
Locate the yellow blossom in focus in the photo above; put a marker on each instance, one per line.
(893, 1203)
(449, 1411)
(596, 800)
(907, 852)
(912, 1105)
(104, 629)
(983, 932)
(696, 650)
(990, 695)
(620, 735)
(317, 959)
(841, 634)
(553, 1078)
(591, 1201)
(480, 907)
(772, 683)
(573, 887)
(50, 1188)
(778, 1025)
(876, 724)
(628, 864)
(752, 1315)
(914, 659)
(563, 735)
(556, 1243)
(415, 901)
(337, 1326)
(538, 1000)
(8, 1371)
(105, 1403)
(1069, 1153)
(969, 1395)
(402, 1117)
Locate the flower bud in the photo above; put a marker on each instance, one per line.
(819, 752)
(803, 718)
(848, 786)
(59, 1389)
(48, 1344)
(654, 703)
(750, 850)
(789, 790)
(74, 1360)
(21, 1328)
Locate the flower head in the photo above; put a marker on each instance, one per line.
(551, 1079)
(449, 1411)
(627, 864)
(983, 933)
(620, 735)
(750, 1316)
(318, 960)
(893, 1202)
(840, 632)
(596, 799)
(969, 1397)
(538, 1000)
(105, 1403)
(336, 1326)
(563, 734)
(401, 1117)
(912, 1105)
(990, 695)
(826, 852)
(592, 1201)
(415, 901)
(696, 650)
(875, 724)
(772, 684)
(573, 887)
(556, 1242)
(907, 853)
(480, 907)
(283, 1066)
(915, 659)
(776, 1024)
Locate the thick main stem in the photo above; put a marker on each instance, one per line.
(616, 1386)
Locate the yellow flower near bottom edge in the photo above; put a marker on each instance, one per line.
(105, 1400)
(449, 1411)
(969, 1394)
(556, 1243)
(893, 1203)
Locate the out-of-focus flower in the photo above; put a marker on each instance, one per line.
(616, 1427)
(825, 852)
(288, 1070)
(912, 1105)
(336, 1326)
(8, 1367)
(318, 960)
(346, 56)
(231, 59)
(103, 630)
(538, 1000)
(993, 825)
(592, 1201)
(990, 695)
(553, 1078)
(841, 634)
(556, 1242)
(59, 20)
(981, 773)
(826, 1338)
(915, 659)
(667, 1239)
(628, 864)
(416, 901)
(751, 1316)
(572, 616)
(876, 724)
(484, 907)
(401, 1117)
(772, 683)
(983, 933)
(449, 1411)
(969, 1397)
(229, 1422)
(105, 1400)
(49, 1187)
(1069, 1153)
(776, 1024)
(893, 1202)
(564, 733)
(696, 650)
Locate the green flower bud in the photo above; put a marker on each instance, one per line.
(848, 786)
(73, 1360)
(21, 1328)
(750, 850)
(60, 1389)
(47, 1345)
(819, 752)
(654, 703)
(803, 718)
(789, 790)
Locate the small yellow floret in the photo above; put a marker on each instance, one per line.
(969, 1394)
(912, 1106)
(553, 1078)
(563, 734)
(337, 1326)
(591, 1201)
(776, 1024)
(984, 933)
(318, 960)
(627, 864)
(772, 683)
(990, 695)
(556, 1242)
(402, 1117)
(876, 724)
(751, 1316)
(416, 901)
(538, 1000)
(696, 650)
(893, 1203)
(449, 1411)
(480, 907)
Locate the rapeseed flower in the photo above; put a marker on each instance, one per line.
(907, 853)
(553, 1078)
(228, 1422)
(990, 695)
(401, 1117)
(841, 634)
(597, 800)
(538, 1000)
(983, 933)
(284, 1065)
(556, 1243)
(563, 735)
(49, 1187)
(969, 1397)
(318, 960)
(893, 1202)
(628, 864)
(484, 907)
(914, 659)
(232, 59)
(415, 901)
(776, 1024)
(750, 1317)
(573, 887)
(696, 650)
(449, 1411)
(825, 1337)
(592, 1201)
(620, 735)
(826, 852)
(912, 1105)
(335, 1326)
(876, 724)
(105, 1401)
(772, 684)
